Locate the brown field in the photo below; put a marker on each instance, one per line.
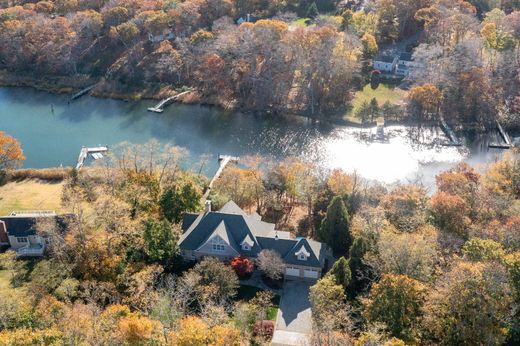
(29, 195)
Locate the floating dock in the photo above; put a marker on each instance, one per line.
(82, 92)
(95, 152)
(159, 108)
(223, 160)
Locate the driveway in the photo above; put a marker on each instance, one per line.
(294, 321)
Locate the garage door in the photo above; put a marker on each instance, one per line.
(310, 273)
(292, 271)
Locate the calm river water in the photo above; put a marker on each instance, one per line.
(52, 132)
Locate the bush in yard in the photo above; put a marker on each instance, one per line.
(243, 266)
(264, 329)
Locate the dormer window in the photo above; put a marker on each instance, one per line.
(247, 244)
(218, 245)
(302, 254)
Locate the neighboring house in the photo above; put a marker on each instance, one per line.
(20, 229)
(248, 19)
(385, 63)
(405, 64)
(165, 35)
(402, 70)
(231, 232)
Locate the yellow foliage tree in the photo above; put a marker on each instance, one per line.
(11, 154)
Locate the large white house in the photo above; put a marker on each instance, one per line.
(231, 232)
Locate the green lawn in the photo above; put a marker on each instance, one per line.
(247, 293)
(383, 93)
(299, 22)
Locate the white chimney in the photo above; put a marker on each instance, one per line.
(207, 206)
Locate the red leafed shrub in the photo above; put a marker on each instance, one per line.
(263, 328)
(243, 266)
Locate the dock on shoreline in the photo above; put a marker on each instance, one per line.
(223, 161)
(159, 108)
(95, 152)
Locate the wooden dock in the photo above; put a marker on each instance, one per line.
(223, 160)
(454, 141)
(508, 144)
(95, 152)
(159, 108)
(82, 92)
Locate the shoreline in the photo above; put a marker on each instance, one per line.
(113, 90)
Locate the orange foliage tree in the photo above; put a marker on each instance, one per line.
(11, 154)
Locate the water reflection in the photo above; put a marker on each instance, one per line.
(51, 138)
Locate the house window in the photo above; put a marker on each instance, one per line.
(302, 257)
(218, 245)
(22, 239)
(219, 248)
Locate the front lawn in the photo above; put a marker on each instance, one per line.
(30, 195)
(383, 93)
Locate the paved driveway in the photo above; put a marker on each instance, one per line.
(294, 321)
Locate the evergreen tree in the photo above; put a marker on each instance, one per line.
(334, 229)
(357, 267)
(341, 272)
(312, 11)
(374, 109)
(177, 200)
(161, 241)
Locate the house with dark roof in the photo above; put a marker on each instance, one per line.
(230, 232)
(20, 230)
(385, 63)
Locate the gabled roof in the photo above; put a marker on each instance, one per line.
(232, 208)
(302, 245)
(24, 226)
(187, 220)
(234, 226)
(248, 240)
(385, 58)
(222, 232)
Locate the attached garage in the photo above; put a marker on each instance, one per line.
(290, 271)
(310, 273)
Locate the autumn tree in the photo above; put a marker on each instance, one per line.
(215, 274)
(11, 154)
(452, 320)
(405, 207)
(451, 213)
(413, 255)
(425, 101)
(396, 301)
(388, 21)
(330, 311)
(477, 249)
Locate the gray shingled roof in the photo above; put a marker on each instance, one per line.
(24, 226)
(234, 225)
